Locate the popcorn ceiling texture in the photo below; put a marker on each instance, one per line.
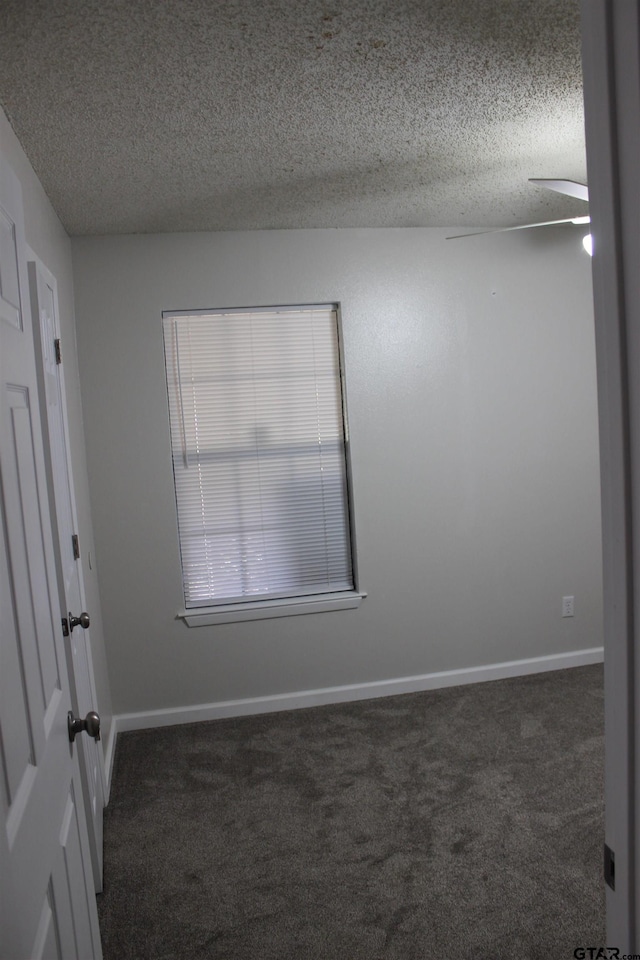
(180, 115)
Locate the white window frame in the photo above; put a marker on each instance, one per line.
(255, 609)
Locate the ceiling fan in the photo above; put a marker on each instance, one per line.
(568, 187)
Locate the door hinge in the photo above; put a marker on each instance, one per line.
(58, 349)
(65, 627)
(76, 546)
(609, 867)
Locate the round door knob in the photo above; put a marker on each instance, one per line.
(81, 621)
(90, 725)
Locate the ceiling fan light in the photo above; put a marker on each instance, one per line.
(587, 243)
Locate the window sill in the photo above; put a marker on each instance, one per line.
(268, 609)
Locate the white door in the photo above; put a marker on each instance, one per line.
(44, 309)
(47, 904)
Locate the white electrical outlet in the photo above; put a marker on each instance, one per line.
(567, 606)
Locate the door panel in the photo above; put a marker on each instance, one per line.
(47, 942)
(9, 278)
(37, 650)
(44, 308)
(42, 828)
(71, 885)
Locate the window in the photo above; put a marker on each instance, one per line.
(259, 456)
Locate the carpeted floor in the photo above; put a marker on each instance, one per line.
(459, 824)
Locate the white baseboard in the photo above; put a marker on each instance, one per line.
(357, 691)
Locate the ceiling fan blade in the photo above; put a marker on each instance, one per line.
(523, 226)
(569, 187)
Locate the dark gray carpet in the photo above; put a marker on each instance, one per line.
(453, 824)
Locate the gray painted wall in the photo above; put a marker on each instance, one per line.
(49, 241)
(470, 373)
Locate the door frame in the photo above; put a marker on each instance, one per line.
(611, 66)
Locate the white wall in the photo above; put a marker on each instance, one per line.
(472, 406)
(47, 238)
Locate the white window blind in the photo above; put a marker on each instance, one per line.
(258, 443)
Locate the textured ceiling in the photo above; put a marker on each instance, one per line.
(161, 115)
